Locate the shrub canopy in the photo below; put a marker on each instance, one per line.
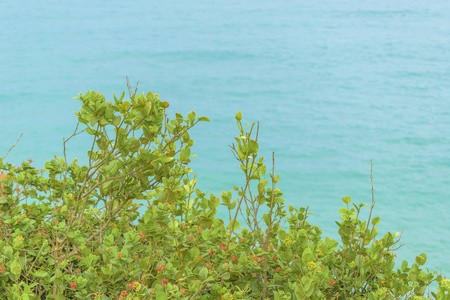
(130, 224)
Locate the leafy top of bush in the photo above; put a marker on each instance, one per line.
(73, 231)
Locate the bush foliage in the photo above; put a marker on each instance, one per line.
(132, 225)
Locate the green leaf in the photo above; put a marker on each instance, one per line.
(206, 222)
(421, 259)
(306, 281)
(375, 221)
(32, 193)
(184, 154)
(282, 234)
(161, 296)
(116, 121)
(307, 255)
(64, 209)
(343, 211)
(179, 117)
(242, 259)
(233, 204)
(374, 232)
(261, 199)
(235, 225)
(147, 108)
(121, 96)
(48, 166)
(204, 273)
(277, 178)
(90, 131)
(205, 235)
(347, 200)
(8, 251)
(195, 252)
(404, 266)
(191, 116)
(94, 120)
(252, 147)
(71, 234)
(262, 170)
(205, 119)
(41, 273)
(214, 202)
(238, 116)
(266, 219)
(15, 267)
(381, 277)
(261, 185)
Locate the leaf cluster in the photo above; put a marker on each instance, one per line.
(131, 224)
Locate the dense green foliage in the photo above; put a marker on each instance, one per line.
(131, 224)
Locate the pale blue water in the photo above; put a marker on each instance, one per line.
(332, 83)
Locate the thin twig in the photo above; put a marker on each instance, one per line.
(247, 185)
(371, 208)
(269, 225)
(131, 94)
(304, 219)
(193, 296)
(65, 159)
(398, 240)
(13, 146)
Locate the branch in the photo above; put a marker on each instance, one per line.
(371, 207)
(13, 146)
(130, 93)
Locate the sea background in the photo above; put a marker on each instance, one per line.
(333, 84)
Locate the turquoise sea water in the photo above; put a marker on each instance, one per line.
(333, 85)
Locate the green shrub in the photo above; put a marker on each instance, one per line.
(77, 232)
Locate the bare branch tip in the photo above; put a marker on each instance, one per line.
(13, 146)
